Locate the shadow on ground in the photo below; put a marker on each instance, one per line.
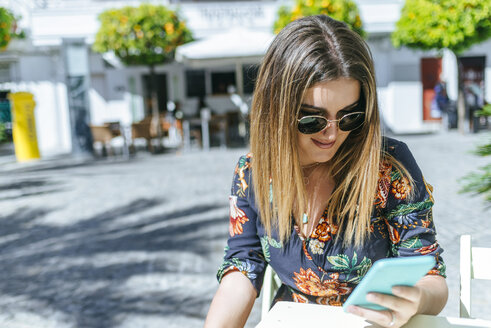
(29, 187)
(78, 270)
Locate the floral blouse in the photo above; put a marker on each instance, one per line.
(315, 269)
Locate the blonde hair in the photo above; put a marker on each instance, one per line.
(308, 51)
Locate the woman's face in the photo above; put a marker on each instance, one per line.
(332, 100)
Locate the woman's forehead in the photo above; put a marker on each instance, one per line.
(333, 95)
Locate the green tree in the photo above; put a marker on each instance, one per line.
(3, 135)
(146, 35)
(8, 28)
(342, 10)
(480, 182)
(455, 25)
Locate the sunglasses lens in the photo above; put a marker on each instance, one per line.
(311, 124)
(351, 121)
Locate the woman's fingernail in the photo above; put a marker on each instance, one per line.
(396, 290)
(371, 297)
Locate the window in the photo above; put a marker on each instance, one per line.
(250, 75)
(221, 81)
(195, 83)
(161, 88)
(5, 72)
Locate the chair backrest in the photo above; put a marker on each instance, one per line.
(475, 263)
(141, 130)
(101, 133)
(271, 284)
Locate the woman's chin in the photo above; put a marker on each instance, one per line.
(314, 160)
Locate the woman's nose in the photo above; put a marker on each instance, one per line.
(330, 130)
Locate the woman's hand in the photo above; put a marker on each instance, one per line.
(403, 305)
(428, 296)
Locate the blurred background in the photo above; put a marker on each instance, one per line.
(121, 123)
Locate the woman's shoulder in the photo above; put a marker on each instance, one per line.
(400, 177)
(244, 163)
(241, 185)
(246, 157)
(396, 152)
(393, 146)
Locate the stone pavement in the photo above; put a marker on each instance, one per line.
(136, 242)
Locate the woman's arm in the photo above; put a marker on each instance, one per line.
(242, 270)
(232, 302)
(435, 294)
(412, 232)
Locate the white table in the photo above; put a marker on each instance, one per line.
(295, 315)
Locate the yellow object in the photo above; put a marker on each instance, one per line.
(24, 126)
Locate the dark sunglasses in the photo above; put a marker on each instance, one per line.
(315, 123)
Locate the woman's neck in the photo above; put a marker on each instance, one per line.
(319, 185)
(315, 172)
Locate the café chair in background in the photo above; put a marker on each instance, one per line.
(148, 129)
(475, 263)
(142, 130)
(104, 134)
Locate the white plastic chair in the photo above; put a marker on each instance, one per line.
(271, 284)
(475, 263)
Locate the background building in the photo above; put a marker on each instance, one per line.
(41, 64)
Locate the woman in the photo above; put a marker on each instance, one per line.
(322, 195)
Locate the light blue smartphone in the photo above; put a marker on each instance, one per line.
(387, 273)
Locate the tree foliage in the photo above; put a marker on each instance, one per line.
(480, 182)
(3, 135)
(144, 35)
(8, 28)
(438, 24)
(342, 10)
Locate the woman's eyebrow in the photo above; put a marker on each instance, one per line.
(350, 106)
(313, 107)
(325, 110)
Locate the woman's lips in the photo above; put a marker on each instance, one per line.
(322, 144)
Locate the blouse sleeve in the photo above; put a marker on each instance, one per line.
(243, 252)
(409, 214)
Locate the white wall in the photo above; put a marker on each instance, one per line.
(392, 64)
(209, 18)
(381, 53)
(102, 111)
(35, 68)
(42, 74)
(379, 16)
(401, 107)
(109, 98)
(51, 112)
